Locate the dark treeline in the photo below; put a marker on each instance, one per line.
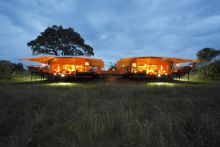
(9, 69)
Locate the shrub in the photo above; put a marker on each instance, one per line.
(211, 70)
(18, 68)
(6, 69)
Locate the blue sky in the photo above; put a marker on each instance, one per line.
(114, 28)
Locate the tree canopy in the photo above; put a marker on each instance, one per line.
(208, 65)
(207, 54)
(59, 41)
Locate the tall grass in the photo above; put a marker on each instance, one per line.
(109, 115)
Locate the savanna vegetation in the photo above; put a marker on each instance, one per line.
(10, 70)
(209, 65)
(107, 114)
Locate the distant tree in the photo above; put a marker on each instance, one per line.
(207, 63)
(6, 69)
(18, 68)
(206, 55)
(59, 41)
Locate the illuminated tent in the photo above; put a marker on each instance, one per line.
(149, 65)
(69, 64)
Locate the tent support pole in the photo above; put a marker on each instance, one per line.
(188, 76)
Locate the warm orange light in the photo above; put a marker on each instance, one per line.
(134, 64)
(87, 63)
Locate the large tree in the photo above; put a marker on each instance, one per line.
(59, 41)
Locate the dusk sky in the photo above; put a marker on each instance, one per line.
(114, 28)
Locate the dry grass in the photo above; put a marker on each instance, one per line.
(109, 114)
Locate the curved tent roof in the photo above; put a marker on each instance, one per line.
(65, 59)
(154, 59)
(42, 59)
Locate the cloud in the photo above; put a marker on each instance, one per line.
(117, 28)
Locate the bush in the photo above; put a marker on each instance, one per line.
(6, 69)
(18, 68)
(211, 70)
(214, 68)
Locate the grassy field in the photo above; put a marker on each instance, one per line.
(107, 113)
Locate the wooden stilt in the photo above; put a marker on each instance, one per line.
(188, 76)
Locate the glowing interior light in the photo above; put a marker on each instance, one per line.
(43, 65)
(58, 69)
(55, 74)
(134, 64)
(158, 75)
(62, 75)
(86, 63)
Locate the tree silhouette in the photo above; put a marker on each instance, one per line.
(206, 55)
(59, 41)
